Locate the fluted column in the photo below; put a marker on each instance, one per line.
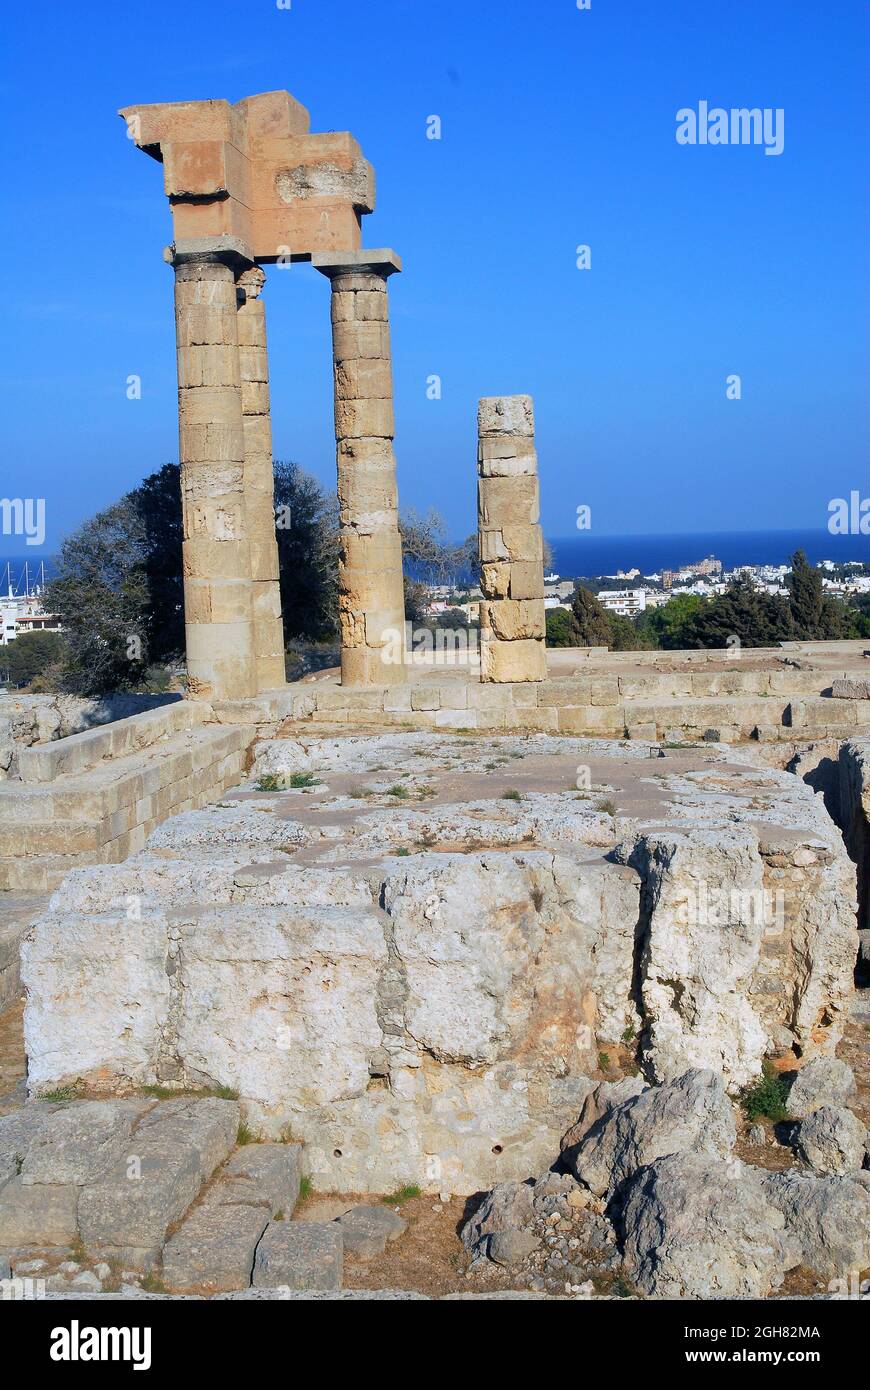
(371, 593)
(259, 482)
(218, 612)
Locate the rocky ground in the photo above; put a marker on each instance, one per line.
(501, 994)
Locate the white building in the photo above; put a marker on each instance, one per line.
(626, 602)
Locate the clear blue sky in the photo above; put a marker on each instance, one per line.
(558, 129)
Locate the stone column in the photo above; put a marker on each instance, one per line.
(216, 552)
(371, 594)
(510, 542)
(259, 482)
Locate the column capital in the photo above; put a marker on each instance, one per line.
(223, 250)
(383, 262)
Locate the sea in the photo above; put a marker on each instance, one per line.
(589, 555)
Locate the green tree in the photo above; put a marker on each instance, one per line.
(666, 626)
(815, 615)
(307, 533)
(755, 618)
(31, 655)
(100, 593)
(591, 620)
(625, 635)
(561, 628)
(119, 589)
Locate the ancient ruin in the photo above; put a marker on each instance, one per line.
(511, 542)
(249, 185)
(529, 936)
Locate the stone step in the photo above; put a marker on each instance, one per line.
(126, 782)
(38, 873)
(57, 837)
(79, 752)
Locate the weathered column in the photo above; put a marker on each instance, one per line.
(259, 482)
(371, 593)
(216, 552)
(510, 541)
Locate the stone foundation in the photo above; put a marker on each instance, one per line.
(314, 949)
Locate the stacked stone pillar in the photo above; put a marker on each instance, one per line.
(218, 613)
(371, 593)
(512, 629)
(259, 482)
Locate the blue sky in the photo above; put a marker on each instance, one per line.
(558, 130)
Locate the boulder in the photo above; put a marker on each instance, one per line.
(823, 1081)
(691, 1114)
(366, 1230)
(832, 1140)
(829, 1217)
(508, 1207)
(605, 1097)
(694, 1227)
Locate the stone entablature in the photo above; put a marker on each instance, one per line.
(253, 170)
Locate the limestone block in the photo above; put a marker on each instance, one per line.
(513, 619)
(523, 660)
(506, 415)
(508, 501)
(298, 988)
(254, 362)
(207, 365)
(80, 1142)
(178, 1146)
(845, 689)
(492, 546)
(370, 306)
(367, 1230)
(255, 397)
(526, 579)
(364, 418)
(123, 976)
(214, 1248)
(367, 489)
(210, 443)
(271, 1171)
(495, 580)
(300, 1255)
(205, 323)
(37, 1215)
(361, 665)
(523, 543)
(364, 379)
(351, 341)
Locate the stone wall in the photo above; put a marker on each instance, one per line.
(97, 795)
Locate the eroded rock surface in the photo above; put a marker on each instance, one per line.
(419, 961)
